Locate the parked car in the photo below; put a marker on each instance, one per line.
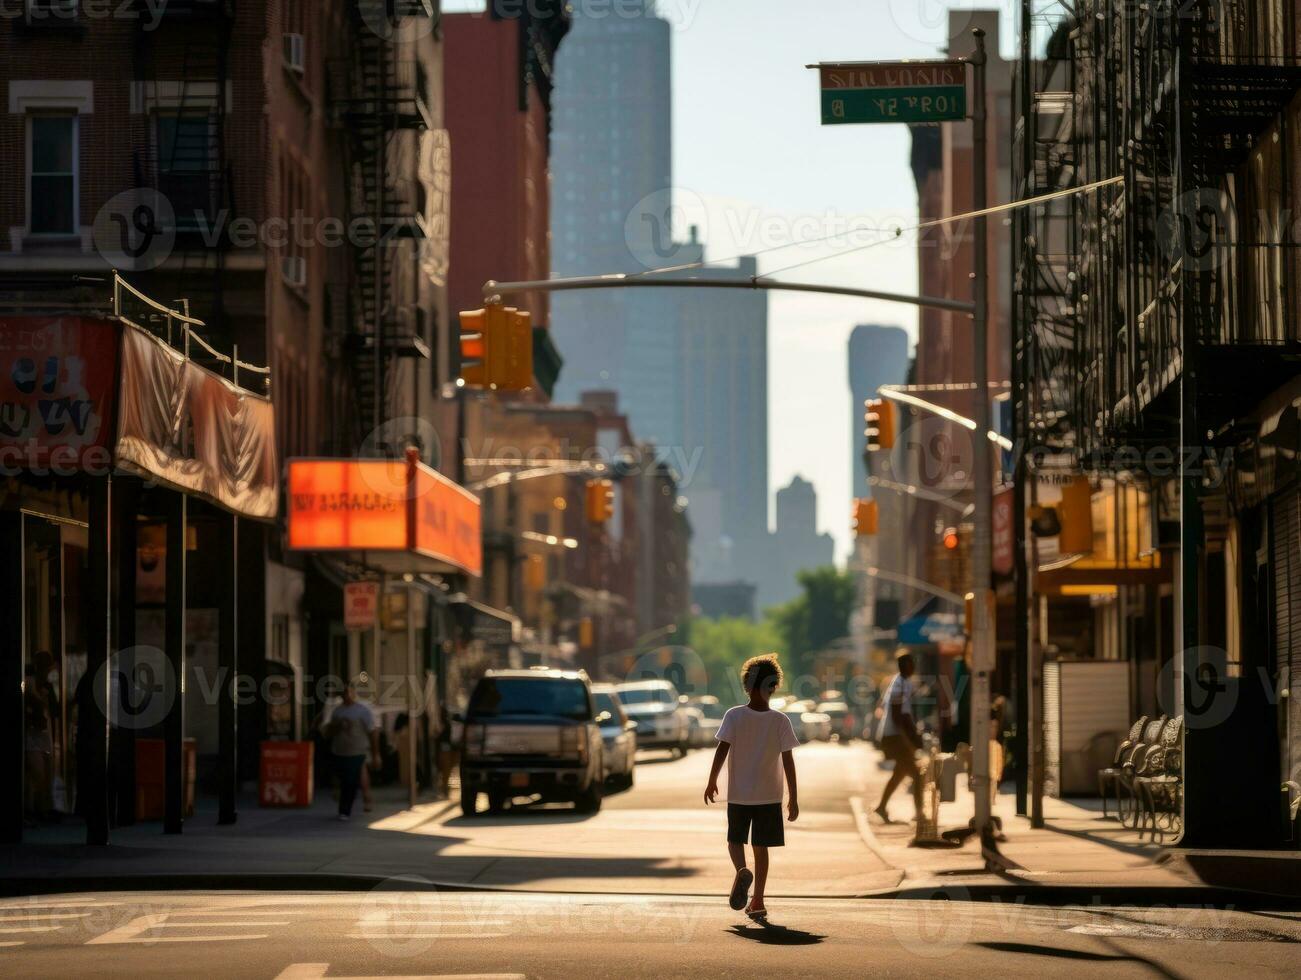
(619, 733)
(695, 722)
(532, 732)
(653, 705)
(810, 725)
(711, 713)
(843, 723)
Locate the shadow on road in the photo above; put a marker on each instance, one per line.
(1120, 956)
(772, 934)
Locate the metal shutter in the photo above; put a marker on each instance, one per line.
(1287, 620)
(1052, 680)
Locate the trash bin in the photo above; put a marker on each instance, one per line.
(151, 777)
(948, 777)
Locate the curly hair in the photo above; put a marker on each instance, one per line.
(757, 670)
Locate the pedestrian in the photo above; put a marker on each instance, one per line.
(898, 736)
(756, 742)
(353, 736)
(447, 754)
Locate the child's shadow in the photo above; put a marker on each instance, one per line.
(771, 934)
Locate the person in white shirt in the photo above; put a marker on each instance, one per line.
(898, 736)
(756, 743)
(353, 735)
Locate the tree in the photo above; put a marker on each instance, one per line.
(812, 621)
(723, 645)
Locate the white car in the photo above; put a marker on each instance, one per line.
(619, 733)
(809, 724)
(653, 705)
(711, 717)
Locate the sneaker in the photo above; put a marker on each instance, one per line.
(740, 889)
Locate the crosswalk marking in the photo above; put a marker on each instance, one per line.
(43, 916)
(19, 930)
(318, 971)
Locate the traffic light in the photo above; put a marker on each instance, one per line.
(497, 348)
(586, 633)
(880, 419)
(866, 517)
(599, 501)
(951, 539)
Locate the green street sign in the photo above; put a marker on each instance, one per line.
(893, 91)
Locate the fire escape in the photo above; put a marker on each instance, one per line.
(181, 81)
(377, 99)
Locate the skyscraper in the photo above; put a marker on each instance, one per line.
(690, 366)
(795, 545)
(878, 355)
(611, 197)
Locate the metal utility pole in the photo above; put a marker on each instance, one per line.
(981, 550)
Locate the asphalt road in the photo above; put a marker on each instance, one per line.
(288, 936)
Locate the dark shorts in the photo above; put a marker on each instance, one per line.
(765, 819)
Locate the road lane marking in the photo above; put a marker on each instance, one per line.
(42, 916)
(11, 942)
(134, 932)
(441, 934)
(19, 930)
(318, 971)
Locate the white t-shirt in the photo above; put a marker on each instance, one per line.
(754, 766)
(899, 692)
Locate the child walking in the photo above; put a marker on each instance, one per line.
(756, 743)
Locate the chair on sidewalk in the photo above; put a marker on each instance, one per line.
(1160, 784)
(1127, 808)
(1109, 778)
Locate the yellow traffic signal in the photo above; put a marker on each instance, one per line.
(880, 418)
(866, 517)
(497, 348)
(586, 633)
(599, 501)
(535, 573)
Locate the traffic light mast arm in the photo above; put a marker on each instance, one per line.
(894, 393)
(621, 280)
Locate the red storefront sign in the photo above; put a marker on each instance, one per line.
(378, 506)
(285, 778)
(58, 379)
(1003, 533)
(360, 605)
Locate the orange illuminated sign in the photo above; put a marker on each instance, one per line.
(383, 505)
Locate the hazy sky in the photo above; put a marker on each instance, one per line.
(754, 168)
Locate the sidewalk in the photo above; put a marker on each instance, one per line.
(1077, 850)
(657, 840)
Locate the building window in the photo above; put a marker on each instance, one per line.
(186, 150)
(52, 174)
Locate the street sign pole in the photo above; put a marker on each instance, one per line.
(982, 551)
